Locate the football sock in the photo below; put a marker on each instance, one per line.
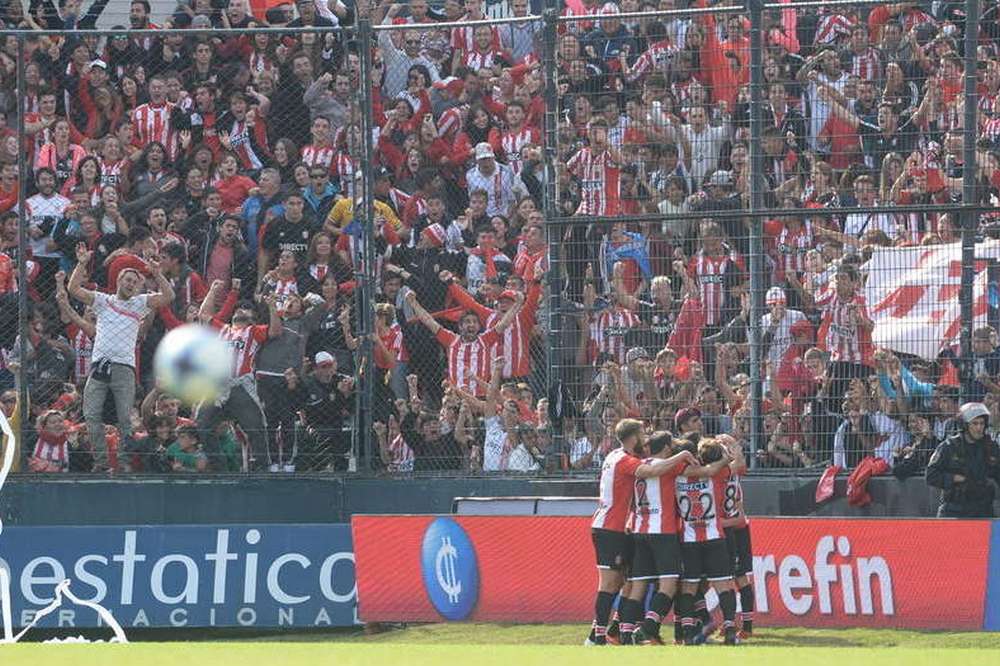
(685, 610)
(747, 604)
(701, 610)
(727, 601)
(602, 608)
(631, 613)
(658, 609)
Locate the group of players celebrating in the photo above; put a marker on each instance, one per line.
(670, 513)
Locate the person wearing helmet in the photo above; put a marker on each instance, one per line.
(966, 467)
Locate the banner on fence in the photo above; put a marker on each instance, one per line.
(912, 295)
(186, 575)
(808, 572)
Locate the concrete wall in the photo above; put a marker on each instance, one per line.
(33, 501)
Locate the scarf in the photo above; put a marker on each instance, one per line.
(488, 259)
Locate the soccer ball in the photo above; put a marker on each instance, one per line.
(193, 363)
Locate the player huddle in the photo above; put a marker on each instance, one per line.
(670, 513)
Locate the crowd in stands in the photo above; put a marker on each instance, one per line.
(234, 162)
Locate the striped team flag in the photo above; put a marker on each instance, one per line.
(913, 295)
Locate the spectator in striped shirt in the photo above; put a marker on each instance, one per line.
(469, 353)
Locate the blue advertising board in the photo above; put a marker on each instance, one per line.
(186, 575)
(991, 616)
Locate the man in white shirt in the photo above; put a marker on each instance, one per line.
(119, 317)
(777, 325)
(831, 78)
(497, 180)
(856, 224)
(44, 210)
(702, 143)
(504, 448)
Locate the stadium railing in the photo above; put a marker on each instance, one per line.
(665, 180)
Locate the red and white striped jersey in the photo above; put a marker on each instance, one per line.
(284, 288)
(57, 455)
(607, 333)
(249, 144)
(732, 502)
(400, 455)
(511, 144)
(83, 347)
(599, 182)
(113, 173)
(515, 342)
(617, 490)
(583, 26)
(991, 129)
(313, 155)
(450, 124)
(656, 503)
(246, 343)
(867, 65)
(700, 506)
(844, 339)
(710, 274)
(469, 362)
(477, 60)
(465, 37)
(833, 28)
(343, 169)
(654, 59)
(152, 123)
(393, 343)
(791, 248)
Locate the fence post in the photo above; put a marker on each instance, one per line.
(757, 182)
(22, 251)
(550, 208)
(365, 296)
(970, 218)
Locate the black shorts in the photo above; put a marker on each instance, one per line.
(706, 559)
(740, 550)
(656, 556)
(613, 549)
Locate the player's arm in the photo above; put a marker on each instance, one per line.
(165, 295)
(83, 256)
(708, 471)
(425, 318)
(660, 467)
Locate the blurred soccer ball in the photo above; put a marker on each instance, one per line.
(193, 363)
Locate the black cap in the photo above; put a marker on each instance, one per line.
(383, 172)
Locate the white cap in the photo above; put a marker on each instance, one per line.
(484, 150)
(776, 295)
(324, 358)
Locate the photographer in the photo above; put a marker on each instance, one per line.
(964, 465)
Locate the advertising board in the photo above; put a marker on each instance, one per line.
(926, 574)
(186, 575)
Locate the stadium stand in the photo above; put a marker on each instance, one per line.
(564, 228)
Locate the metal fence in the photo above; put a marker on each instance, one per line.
(472, 237)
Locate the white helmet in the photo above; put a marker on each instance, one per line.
(973, 410)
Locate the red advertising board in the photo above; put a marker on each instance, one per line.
(926, 574)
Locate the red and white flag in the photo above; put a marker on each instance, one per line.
(913, 296)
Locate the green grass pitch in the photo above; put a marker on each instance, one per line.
(526, 645)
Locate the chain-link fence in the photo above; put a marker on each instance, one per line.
(753, 220)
